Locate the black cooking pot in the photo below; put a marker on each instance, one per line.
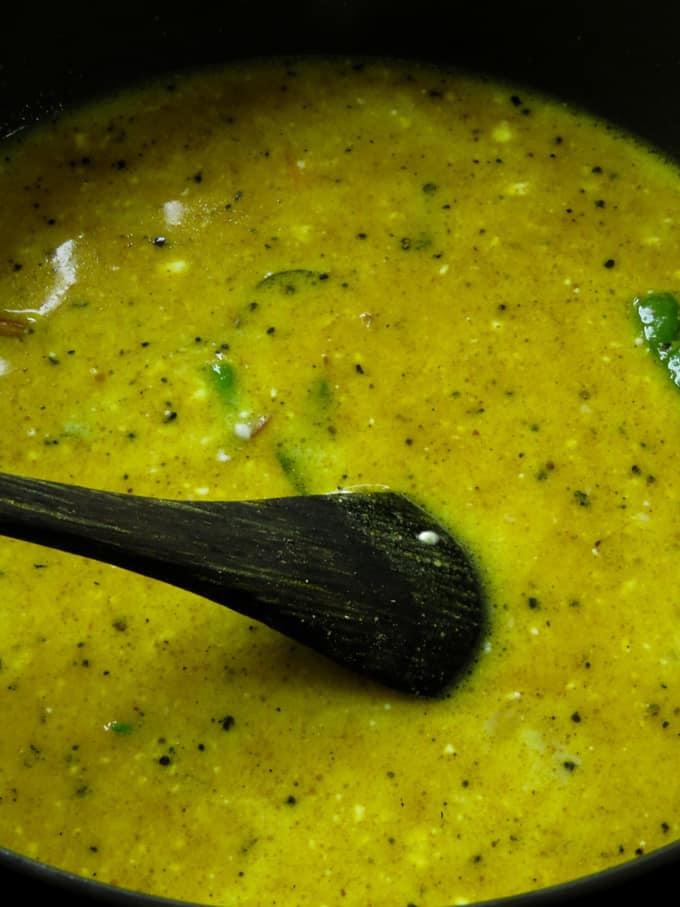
(620, 60)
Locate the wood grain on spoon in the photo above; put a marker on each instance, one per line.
(366, 578)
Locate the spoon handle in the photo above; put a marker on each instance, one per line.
(227, 551)
(368, 579)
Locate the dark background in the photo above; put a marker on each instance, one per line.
(620, 60)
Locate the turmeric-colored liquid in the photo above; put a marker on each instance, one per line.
(288, 278)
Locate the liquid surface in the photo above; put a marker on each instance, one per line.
(294, 278)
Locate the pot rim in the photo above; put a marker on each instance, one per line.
(609, 880)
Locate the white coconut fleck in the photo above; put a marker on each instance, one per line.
(359, 812)
(428, 537)
(534, 631)
(449, 750)
(222, 456)
(444, 269)
(301, 164)
(173, 211)
(641, 517)
(302, 232)
(5, 367)
(243, 431)
(65, 267)
(521, 188)
(175, 267)
(202, 490)
(502, 132)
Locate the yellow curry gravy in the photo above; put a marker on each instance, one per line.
(297, 277)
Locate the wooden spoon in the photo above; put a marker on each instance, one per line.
(367, 578)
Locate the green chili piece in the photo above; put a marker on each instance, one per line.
(672, 362)
(289, 282)
(224, 380)
(290, 465)
(658, 315)
(321, 393)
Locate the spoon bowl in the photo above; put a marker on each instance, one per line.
(367, 578)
